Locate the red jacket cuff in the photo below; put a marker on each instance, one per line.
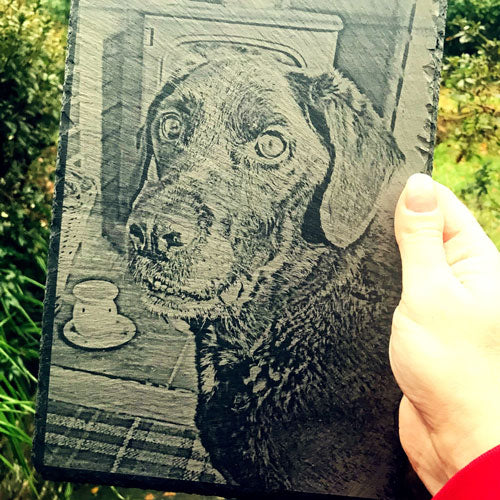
(480, 480)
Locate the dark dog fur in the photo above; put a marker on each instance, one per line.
(265, 221)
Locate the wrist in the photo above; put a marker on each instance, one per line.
(462, 448)
(478, 479)
(468, 423)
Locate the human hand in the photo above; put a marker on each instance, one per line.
(445, 343)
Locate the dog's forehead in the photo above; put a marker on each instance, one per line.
(233, 71)
(237, 79)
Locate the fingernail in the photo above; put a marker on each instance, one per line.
(421, 194)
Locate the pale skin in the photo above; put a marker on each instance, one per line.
(445, 343)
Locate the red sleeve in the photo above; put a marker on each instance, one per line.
(479, 480)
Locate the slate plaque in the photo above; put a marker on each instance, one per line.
(222, 270)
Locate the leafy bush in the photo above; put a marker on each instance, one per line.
(467, 156)
(473, 14)
(31, 70)
(471, 91)
(59, 9)
(471, 77)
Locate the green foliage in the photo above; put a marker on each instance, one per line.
(466, 19)
(475, 180)
(467, 157)
(471, 102)
(472, 79)
(58, 9)
(31, 71)
(19, 340)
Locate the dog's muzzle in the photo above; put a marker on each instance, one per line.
(153, 240)
(160, 236)
(177, 253)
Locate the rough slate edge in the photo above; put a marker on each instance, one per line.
(53, 257)
(437, 59)
(427, 135)
(420, 156)
(128, 480)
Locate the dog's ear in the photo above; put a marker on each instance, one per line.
(147, 168)
(183, 63)
(365, 153)
(147, 160)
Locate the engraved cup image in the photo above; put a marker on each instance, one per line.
(95, 310)
(96, 324)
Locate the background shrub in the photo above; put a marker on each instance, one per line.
(470, 14)
(467, 157)
(31, 70)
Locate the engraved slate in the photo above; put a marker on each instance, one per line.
(222, 269)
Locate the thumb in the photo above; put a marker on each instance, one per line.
(419, 226)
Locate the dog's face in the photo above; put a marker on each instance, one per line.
(235, 159)
(234, 154)
(260, 185)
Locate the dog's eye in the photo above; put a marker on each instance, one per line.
(171, 127)
(271, 145)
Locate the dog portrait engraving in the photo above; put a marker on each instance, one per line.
(258, 223)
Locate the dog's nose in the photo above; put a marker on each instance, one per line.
(149, 241)
(169, 240)
(137, 233)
